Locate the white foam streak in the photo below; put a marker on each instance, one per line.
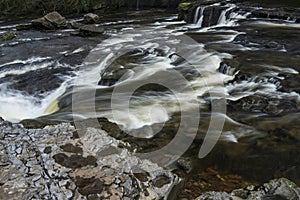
(277, 25)
(243, 89)
(28, 61)
(25, 69)
(281, 69)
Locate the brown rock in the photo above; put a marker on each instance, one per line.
(51, 21)
(91, 18)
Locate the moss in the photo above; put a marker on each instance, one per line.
(8, 35)
(183, 9)
(184, 6)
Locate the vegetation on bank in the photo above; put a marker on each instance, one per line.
(19, 7)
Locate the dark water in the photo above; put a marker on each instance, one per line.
(256, 58)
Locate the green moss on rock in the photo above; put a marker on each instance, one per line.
(184, 6)
(183, 10)
(8, 35)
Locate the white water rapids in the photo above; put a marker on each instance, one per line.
(161, 42)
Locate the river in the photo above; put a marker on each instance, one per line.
(150, 69)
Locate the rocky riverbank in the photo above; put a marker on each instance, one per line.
(54, 163)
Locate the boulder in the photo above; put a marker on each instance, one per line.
(91, 18)
(50, 21)
(87, 29)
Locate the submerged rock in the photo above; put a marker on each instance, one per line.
(50, 163)
(50, 21)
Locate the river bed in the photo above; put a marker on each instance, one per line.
(177, 78)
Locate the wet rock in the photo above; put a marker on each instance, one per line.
(22, 27)
(211, 15)
(89, 186)
(184, 164)
(50, 21)
(8, 35)
(210, 180)
(141, 176)
(48, 150)
(88, 29)
(91, 18)
(161, 181)
(183, 10)
(74, 161)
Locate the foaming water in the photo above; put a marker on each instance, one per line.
(147, 109)
(15, 106)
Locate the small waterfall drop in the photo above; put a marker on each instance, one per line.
(200, 21)
(197, 14)
(222, 18)
(224, 14)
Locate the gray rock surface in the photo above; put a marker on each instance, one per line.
(278, 189)
(54, 163)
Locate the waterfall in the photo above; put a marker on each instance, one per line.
(198, 18)
(222, 18)
(200, 21)
(197, 14)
